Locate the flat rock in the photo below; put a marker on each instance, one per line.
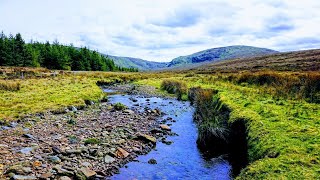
(121, 153)
(128, 111)
(108, 159)
(27, 150)
(20, 177)
(4, 152)
(16, 169)
(1, 169)
(46, 175)
(88, 172)
(86, 164)
(64, 178)
(165, 127)
(27, 170)
(74, 109)
(62, 171)
(3, 146)
(147, 138)
(73, 151)
(54, 159)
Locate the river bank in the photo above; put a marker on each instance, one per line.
(93, 142)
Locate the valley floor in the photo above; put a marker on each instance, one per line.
(283, 134)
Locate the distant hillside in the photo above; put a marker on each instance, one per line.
(222, 53)
(308, 60)
(129, 62)
(193, 60)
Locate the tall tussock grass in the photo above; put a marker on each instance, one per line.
(211, 116)
(175, 87)
(9, 85)
(288, 85)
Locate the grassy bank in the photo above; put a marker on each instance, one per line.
(40, 90)
(283, 134)
(39, 95)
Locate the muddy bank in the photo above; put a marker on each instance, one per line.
(90, 143)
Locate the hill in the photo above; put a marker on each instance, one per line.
(129, 62)
(193, 60)
(221, 53)
(307, 60)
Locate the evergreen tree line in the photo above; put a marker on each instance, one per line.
(15, 52)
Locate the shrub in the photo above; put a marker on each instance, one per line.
(9, 85)
(109, 82)
(72, 122)
(213, 137)
(104, 98)
(192, 93)
(119, 106)
(211, 116)
(174, 87)
(288, 85)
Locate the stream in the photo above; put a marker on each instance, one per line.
(181, 159)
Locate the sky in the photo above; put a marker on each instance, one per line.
(160, 30)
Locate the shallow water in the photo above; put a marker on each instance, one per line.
(181, 159)
(109, 91)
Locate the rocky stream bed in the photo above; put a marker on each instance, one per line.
(99, 140)
(77, 144)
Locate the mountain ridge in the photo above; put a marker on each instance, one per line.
(138, 63)
(221, 53)
(208, 55)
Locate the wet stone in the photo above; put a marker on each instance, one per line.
(152, 161)
(73, 109)
(165, 127)
(147, 138)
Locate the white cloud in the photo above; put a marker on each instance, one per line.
(161, 30)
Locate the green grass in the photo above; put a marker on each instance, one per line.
(92, 141)
(119, 106)
(39, 95)
(283, 135)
